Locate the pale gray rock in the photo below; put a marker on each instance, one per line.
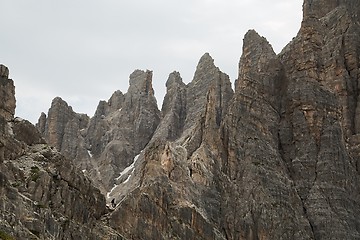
(173, 109)
(65, 130)
(276, 159)
(42, 194)
(7, 95)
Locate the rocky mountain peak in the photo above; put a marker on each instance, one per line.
(58, 116)
(254, 62)
(7, 94)
(204, 70)
(4, 71)
(277, 159)
(206, 59)
(44, 196)
(116, 100)
(102, 148)
(253, 41)
(114, 103)
(175, 87)
(140, 82)
(58, 102)
(174, 80)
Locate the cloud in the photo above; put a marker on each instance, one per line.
(85, 50)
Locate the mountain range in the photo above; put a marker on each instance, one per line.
(277, 157)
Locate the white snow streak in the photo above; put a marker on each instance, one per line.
(89, 152)
(128, 178)
(131, 168)
(108, 194)
(127, 169)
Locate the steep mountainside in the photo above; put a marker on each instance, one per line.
(276, 158)
(42, 195)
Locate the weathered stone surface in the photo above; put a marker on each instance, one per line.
(207, 99)
(45, 197)
(63, 126)
(319, 120)
(25, 132)
(276, 159)
(42, 194)
(277, 162)
(7, 94)
(255, 173)
(172, 185)
(320, 8)
(122, 127)
(41, 124)
(4, 71)
(173, 109)
(65, 130)
(106, 144)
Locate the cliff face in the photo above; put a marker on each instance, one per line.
(278, 158)
(279, 161)
(7, 96)
(104, 145)
(321, 115)
(42, 194)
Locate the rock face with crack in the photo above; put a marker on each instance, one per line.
(278, 158)
(7, 96)
(42, 194)
(104, 145)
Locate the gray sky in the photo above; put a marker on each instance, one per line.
(84, 50)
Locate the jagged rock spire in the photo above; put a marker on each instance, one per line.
(7, 94)
(4, 71)
(257, 52)
(141, 82)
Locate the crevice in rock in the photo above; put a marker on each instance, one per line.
(312, 227)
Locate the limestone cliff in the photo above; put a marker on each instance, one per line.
(105, 145)
(7, 96)
(276, 158)
(42, 194)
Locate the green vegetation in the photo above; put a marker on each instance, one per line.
(34, 173)
(16, 184)
(5, 236)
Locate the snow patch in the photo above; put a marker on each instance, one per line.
(131, 168)
(127, 169)
(128, 178)
(109, 193)
(89, 152)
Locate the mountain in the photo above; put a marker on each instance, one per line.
(43, 195)
(277, 157)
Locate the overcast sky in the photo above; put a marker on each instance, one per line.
(84, 50)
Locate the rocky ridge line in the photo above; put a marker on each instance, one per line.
(42, 194)
(275, 159)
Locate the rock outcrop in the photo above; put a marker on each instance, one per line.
(278, 158)
(7, 96)
(42, 194)
(106, 144)
(173, 182)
